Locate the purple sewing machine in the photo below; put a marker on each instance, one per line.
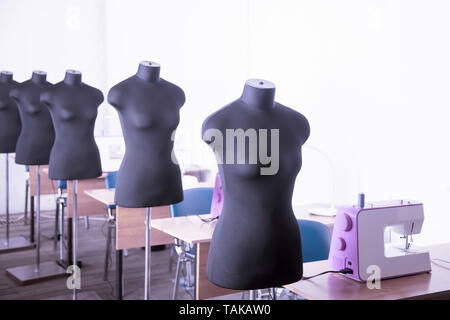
(378, 235)
(217, 200)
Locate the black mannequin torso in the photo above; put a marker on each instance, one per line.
(37, 135)
(10, 124)
(73, 106)
(148, 108)
(256, 242)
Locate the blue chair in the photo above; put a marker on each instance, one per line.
(196, 201)
(110, 180)
(315, 240)
(61, 184)
(110, 183)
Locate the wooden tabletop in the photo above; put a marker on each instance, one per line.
(105, 196)
(337, 287)
(193, 230)
(190, 229)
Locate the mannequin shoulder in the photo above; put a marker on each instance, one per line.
(95, 93)
(218, 119)
(47, 94)
(297, 120)
(175, 91)
(122, 89)
(15, 90)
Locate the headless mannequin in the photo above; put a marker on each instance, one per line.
(37, 134)
(10, 124)
(73, 106)
(148, 108)
(256, 242)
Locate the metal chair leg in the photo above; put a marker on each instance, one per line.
(177, 277)
(171, 254)
(274, 293)
(107, 254)
(188, 273)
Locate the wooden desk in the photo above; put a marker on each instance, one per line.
(86, 206)
(130, 228)
(193, 230)
(48, 186)
(337, 287)
(130, 222)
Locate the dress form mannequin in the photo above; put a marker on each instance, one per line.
(10, 124)
(73, 106)
(75, 156)
(256, 242)
(37, 135)
(148, 108)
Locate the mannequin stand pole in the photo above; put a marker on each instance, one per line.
(75, 238)
(15, 243)
(38, 218)
(148, 254)
(40, 271)
(7, 199)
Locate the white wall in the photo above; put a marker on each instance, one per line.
(371, 76)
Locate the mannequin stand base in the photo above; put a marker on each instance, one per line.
(25, 275)
(16, 244)
(63, 264)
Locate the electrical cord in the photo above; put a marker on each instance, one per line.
(441, 260)
(434, 261)
(207, 219)
(342, 271)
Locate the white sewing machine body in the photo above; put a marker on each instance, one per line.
(364, 240)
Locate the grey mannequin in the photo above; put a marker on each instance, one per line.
(73, 106)
(148, 108)
(37, 135)
(10, 124)
(256, 242)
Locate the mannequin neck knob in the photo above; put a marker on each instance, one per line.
(39, 77)
(6, 76)
(259, 94)
(72, 77)
(149, 71)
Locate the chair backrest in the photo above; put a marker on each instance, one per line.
(196, 201)
(315, 240)
(110, 180)
(61, 184)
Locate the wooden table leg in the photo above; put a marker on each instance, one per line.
(203, 287)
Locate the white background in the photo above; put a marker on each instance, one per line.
(372, 77)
